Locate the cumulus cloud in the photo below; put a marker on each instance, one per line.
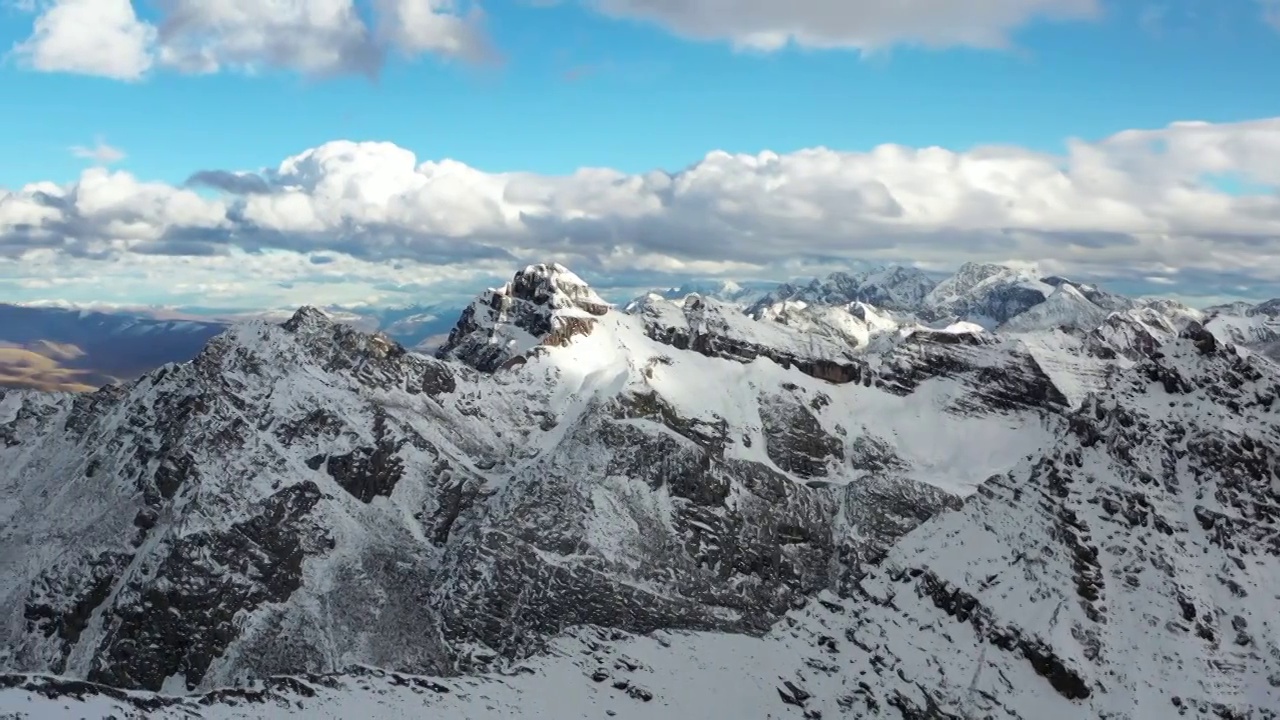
(861, 24)
(314, 37)
(414, 27)
(89, 37)
(1139, 204)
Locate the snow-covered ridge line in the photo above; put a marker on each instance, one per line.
(828, 329)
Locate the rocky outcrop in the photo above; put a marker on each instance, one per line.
(795, 440)
(178, 627)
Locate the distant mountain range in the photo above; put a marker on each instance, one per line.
(68, 349)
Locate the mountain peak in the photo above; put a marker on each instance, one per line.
(543, 304)
(987, 294)
(307, 317)
(555, 286)
(972, 275)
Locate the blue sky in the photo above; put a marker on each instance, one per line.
(575, 88)
(1142, 199)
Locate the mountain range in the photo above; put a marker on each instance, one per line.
(870, 496)
(72, 349)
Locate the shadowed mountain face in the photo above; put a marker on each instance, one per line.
(940, 523)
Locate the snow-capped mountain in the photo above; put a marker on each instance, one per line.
(1254, 326)
(986, 294)
(891, 288)
(1112, 302)
(1066, 307)
(677, 511)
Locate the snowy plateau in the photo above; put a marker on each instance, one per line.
(872, 496)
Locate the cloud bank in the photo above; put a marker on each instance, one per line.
(1184, 206)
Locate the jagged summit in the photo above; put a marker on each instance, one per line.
(555, 286)
(719, 329)
(1270, 308)
(971, 275)
(544, 304)
(307, 316)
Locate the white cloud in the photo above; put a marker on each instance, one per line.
(1138, 204)
(317, 37)
(314, 37)
(862, 24)
(101, 153)
(89, 37)
(414, 27)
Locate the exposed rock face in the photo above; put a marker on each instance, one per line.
(717, 330)
(795, 440)
(179, 627)
(998, 377)
(543, 304)
(942, 532)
